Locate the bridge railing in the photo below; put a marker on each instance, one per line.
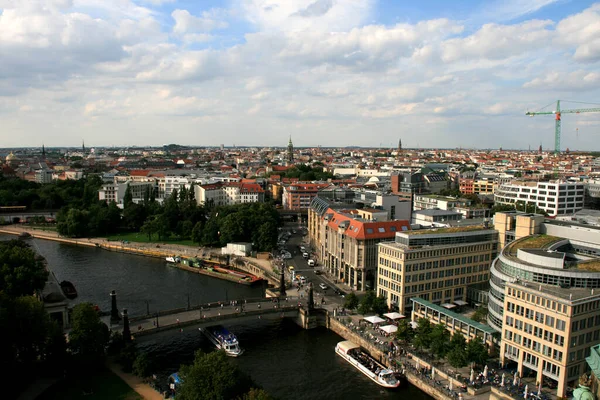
(207, 306)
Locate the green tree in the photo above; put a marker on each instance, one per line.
(422, 338)
(72, 222)
(142, 366)
(197, 232)
(477, 351)
(257, 394)
(440, 340)
(480, 314)
(21, 273)
(366, 303)
(380, 306)
(351, 301)
(405, 332)
(88, 336)
(457, 358)
(211, 376)
(127, 197)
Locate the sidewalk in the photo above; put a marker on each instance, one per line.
(136, 383)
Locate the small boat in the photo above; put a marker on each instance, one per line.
(223, 340)
(173, 259)
(24, 235)
(366, 364)
(68, 289)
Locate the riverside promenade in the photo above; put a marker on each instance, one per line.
(260, 268)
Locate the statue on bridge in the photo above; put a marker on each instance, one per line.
(282, 284)
(114, 312)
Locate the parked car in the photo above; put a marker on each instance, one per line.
(305, 255)
(318, 272)
(311, 263)
(323, 286)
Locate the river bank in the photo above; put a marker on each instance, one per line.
(155, 250)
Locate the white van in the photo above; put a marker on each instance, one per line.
(311, 263)
(305, 255)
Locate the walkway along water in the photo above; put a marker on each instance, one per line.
(155, 250)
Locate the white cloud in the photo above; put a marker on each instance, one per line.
(188, 23)
(582, 30)
(304, 15)
(576, 80)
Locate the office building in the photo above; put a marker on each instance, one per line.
(555, 198)
(435, 265)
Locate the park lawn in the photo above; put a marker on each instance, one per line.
(142, 238)
(104, 385)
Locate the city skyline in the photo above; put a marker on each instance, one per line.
(333, 73)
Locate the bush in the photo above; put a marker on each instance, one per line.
(127, 357)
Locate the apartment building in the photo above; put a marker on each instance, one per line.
(298, 195)
(550, 330)
(435, 265)
(555, 197)
(229, 193)
(476, 186)
(346, 242)
(110, 192)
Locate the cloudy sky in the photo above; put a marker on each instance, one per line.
(434, 73)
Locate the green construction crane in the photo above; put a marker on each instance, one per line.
(558, 112)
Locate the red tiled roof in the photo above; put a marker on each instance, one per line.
(139, 172)
(363, 230)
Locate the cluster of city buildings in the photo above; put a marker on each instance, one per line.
(416, 226)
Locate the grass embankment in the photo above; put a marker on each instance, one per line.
(142, 238)
(101, 386)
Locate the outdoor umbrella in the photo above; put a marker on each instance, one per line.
(485, 371)
(502, 381)
(472, 376)
(525, 392)
(432, 373)
(515, 380)
(450, 385)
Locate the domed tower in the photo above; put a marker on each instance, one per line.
(12, 160)
(290, 151)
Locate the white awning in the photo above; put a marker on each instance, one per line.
(449, 306)
(374, 319)
(394, 315)
(460, 303)
(389, 328)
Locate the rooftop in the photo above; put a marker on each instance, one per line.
(532, 242)
(452, 314)
(571, 293)
(455, 229)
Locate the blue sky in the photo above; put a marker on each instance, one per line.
(327, 72)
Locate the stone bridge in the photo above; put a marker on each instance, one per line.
(213, 314)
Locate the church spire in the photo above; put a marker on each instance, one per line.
(290, 151)
(83, 146)
(43, 151)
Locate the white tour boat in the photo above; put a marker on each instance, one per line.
(223, 339)
(173, 259)
(366, 364)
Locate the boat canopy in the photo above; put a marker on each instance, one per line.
(175, 378)
(347, 345)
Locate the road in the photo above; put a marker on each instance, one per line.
(301, 266)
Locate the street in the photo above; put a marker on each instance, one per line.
(302, 268)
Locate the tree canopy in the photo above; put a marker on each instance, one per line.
(213, 376)
(21, 273)
(88, 336)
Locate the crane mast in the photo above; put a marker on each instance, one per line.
(558, 118)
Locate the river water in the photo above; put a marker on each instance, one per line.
(289, 362)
